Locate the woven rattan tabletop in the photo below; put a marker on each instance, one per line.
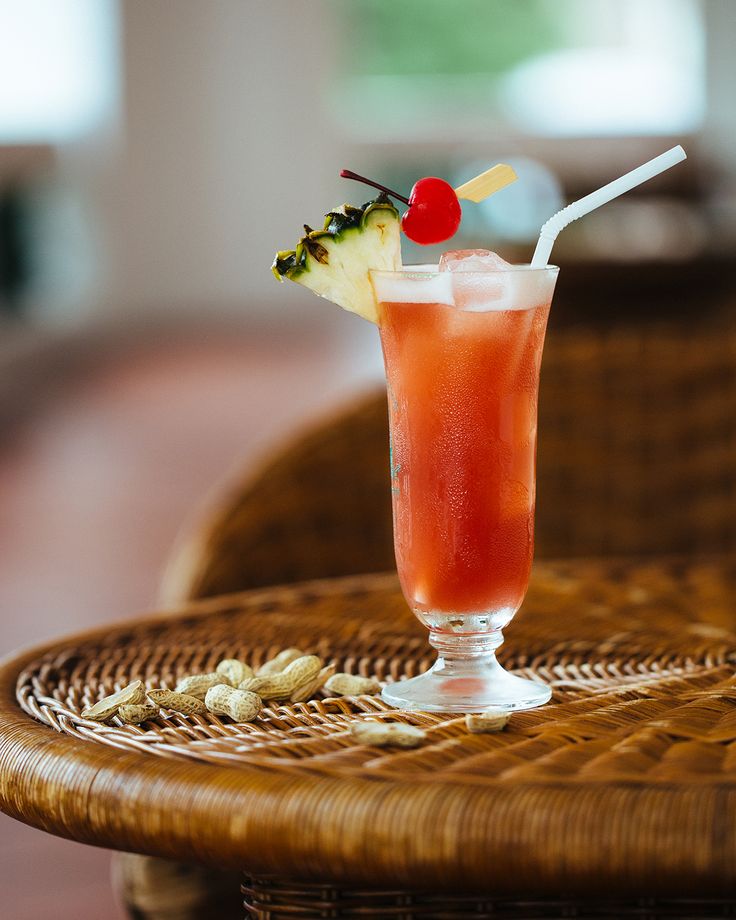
(625, 781)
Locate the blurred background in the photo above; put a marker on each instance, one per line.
(153, 157)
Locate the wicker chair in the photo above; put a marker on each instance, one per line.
(637, 455)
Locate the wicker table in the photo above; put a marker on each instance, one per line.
(624, 785)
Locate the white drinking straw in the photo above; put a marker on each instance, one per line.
(548, 233)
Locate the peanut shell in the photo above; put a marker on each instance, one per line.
(488, 721)
(135, 713)
(134, 693)
(387, 734)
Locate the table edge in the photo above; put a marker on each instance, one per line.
(243, 817)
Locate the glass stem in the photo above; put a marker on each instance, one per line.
(464, 654)
(464, 645)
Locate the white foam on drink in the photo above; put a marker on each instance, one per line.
(419, 284)
(514, 288)
(526, 289)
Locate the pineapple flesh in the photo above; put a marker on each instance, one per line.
(334, 262)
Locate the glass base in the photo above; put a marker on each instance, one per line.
(466, 678)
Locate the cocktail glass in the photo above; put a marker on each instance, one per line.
(462, 353)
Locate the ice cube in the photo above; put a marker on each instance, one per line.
(472, 260)
(488, 285)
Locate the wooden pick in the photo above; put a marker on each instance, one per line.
(488, 182)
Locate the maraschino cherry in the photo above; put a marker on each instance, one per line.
(434, 210)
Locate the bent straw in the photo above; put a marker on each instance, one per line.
(559, 221)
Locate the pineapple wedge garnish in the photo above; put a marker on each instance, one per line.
(334, 262)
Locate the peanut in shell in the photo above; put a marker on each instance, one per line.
(234, 670)
(198, 684)
(351, 685)
(306, 691)
(277, 664)
(239, 705)
(178, 702)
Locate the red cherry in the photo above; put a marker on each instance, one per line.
(434, 212)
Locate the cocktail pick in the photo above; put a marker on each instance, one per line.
(487, 183)
(477, 189)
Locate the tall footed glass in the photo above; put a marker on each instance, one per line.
(462, 353)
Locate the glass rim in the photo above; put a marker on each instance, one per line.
(429, 270)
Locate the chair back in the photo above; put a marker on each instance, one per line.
(636, 455)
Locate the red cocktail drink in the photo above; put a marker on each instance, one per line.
(462, 354)
(462, 344)
(463, 408)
